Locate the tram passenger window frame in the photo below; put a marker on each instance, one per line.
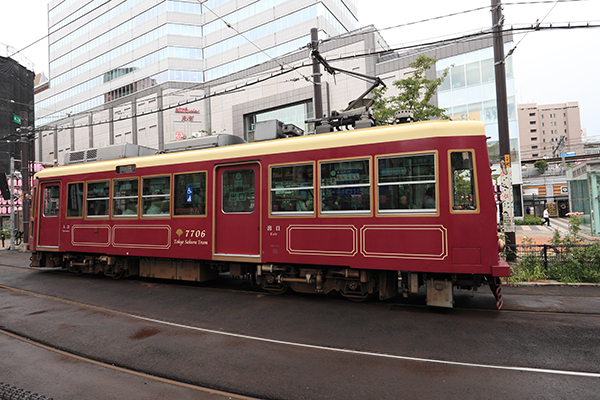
(156, 196)
(343, 188)
(97, 205)
(244, 202)
(292, 189)
(182, 184)
(51, 201)
(75, 195)
(125, 200)
(468, 200)
(408, 183)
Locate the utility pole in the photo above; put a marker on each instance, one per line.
(316, 75)
(502, 109)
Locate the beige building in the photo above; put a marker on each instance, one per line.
(541, 128)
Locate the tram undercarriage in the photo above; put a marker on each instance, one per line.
(355, 285)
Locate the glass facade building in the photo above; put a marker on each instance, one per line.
(469, 93)
(100, 52)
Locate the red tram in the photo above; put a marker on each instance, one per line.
(345, 211)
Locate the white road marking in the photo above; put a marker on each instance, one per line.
(315, 347)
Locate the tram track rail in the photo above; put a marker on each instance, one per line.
(284, 343)
(229, 284)
(120, 369)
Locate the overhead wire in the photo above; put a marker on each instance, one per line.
(439, 43)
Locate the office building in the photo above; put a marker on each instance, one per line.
(118, 69)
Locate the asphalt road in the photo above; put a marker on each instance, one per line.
(544, 344)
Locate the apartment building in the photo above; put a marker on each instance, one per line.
(542, 127)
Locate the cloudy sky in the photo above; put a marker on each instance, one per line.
(550, 66)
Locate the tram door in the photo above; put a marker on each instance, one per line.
(237, 211)
(49, 221)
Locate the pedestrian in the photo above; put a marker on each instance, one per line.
(546, 217)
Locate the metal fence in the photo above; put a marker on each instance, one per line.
(8, 392)
(552, 258)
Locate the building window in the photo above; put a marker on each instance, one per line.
(156, 196)
(292, 189)
(533, 131)
(190, 194)
(532, 122)
(534, 155)
(406, 183)
(98, 199)
(532, 114)
(75, 199)
(463, 181)
(125, 197)
(534, 139)
(345, 186)
(534, 147)
(51, 200)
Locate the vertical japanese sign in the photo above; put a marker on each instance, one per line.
(508, 207)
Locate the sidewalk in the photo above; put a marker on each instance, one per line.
(542, 234)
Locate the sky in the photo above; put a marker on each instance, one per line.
(550, 67)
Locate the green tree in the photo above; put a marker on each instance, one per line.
(541, 166)
(416, 92)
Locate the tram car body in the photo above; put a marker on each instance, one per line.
(349, 211)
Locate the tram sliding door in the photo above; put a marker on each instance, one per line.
(237, 211)
(49, 219)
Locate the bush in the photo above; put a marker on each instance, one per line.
(530, 219)
(528, 269)
(578, 264)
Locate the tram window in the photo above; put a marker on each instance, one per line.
(98, 199)
(292, 189)
(75, 199)
(125, 197)
(156, 196)
(190, 194)
(238, 191)
(51, 200)
(345, 186)
(463, 181)
(406, 183)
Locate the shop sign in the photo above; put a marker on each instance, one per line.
(185, 110)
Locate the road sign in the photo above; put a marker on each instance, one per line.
(17, 119)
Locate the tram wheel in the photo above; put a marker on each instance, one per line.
(118, 275)
(358, 299)
(277, 291)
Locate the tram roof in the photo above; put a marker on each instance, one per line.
(412, 131)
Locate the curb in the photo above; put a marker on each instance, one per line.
(552, 283)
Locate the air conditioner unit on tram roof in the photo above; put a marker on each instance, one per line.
(124, 150)
(203, 142)
(274, 129)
